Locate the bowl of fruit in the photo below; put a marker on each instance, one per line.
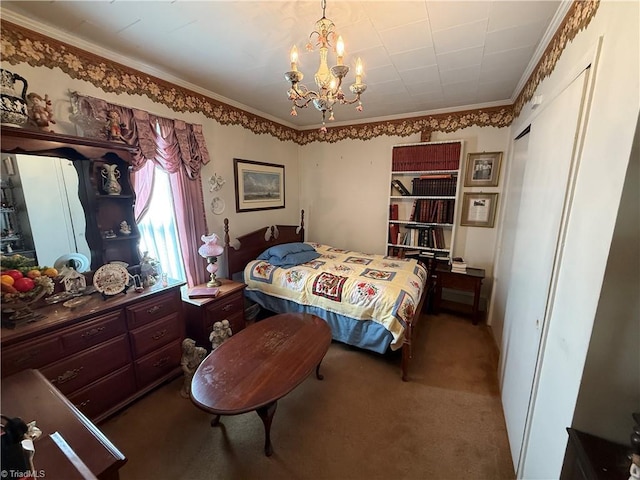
(23, 284)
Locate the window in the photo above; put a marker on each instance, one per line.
(158, 233)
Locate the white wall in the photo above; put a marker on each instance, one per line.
(345, 188)
(589, 230)
(224, 143)
(610, 387)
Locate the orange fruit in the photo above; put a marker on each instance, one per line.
(50, 272)
(33, 274)
(7, 279)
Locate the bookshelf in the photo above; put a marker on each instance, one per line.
(423, 200)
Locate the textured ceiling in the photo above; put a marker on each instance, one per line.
(419, 56)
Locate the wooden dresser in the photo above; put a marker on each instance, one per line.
(105, 353)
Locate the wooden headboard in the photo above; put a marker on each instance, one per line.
(254, 243)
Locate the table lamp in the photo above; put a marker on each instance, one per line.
(211, 251)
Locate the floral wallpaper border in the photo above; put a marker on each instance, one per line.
(20, 45)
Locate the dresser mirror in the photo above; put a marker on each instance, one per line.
(49, 215)
(66, 212)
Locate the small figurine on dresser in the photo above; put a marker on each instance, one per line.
(221, 331)
(125, 229)
(40, 111)
(74, 282)
(192, 357)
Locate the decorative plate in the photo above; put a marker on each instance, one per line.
(217, 205)
(81, 262)
(111, 279)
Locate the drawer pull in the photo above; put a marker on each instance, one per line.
(227, 307)
(162, 362)
(92, 332)
(84, 404)
(67, 376)
(25, 358)
(154, 309)
(159, 334)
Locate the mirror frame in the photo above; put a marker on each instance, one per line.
(82, 152)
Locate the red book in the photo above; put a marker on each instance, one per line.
(203, 292)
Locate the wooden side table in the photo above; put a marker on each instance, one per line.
(202, 313)
(471, 281)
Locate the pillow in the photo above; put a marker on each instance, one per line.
(293, 259)
(279, 251)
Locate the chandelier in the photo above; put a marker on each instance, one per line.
(328, 80)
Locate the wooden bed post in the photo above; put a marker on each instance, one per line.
(226, 233)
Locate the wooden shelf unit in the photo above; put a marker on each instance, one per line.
(422, 217)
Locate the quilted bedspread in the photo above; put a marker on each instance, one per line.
(362, 286)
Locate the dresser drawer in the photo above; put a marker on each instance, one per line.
(93, 332)
(225, 307)
(106, 393)
(79, 370)
(153, 309)
(32, 354)
(156, 334)
(158, 364)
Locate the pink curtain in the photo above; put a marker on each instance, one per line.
(175, 146)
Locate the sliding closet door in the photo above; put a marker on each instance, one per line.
(504, 252)
(548, 167)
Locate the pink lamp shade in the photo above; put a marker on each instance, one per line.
(210, 247)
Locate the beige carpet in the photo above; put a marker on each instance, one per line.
(360, 422)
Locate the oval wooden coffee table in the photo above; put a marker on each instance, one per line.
(261, 364)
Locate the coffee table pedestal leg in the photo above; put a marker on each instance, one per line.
(216, 421)
(266, 415)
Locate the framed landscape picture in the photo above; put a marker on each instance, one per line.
(259, 185)
(482, 169)
(479, 209)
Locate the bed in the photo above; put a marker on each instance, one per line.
(370, 301)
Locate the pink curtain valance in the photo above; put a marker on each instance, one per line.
(179, 145)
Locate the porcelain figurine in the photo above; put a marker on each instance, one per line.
(125, 229)
(114, 126)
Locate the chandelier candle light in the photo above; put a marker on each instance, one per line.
(328, 81)
(211, 251)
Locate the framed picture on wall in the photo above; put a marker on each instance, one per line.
(259, 185)
(482, 169)
(479, 209)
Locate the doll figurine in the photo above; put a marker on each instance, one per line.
(114, 126)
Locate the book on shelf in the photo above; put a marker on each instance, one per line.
(400, 187)
(393, 211)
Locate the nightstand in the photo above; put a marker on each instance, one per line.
(470, 281)
(202, 313)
